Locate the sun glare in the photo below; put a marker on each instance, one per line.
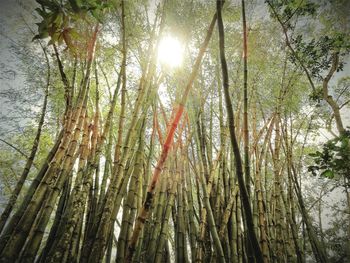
(170, 52)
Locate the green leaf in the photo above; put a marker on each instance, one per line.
(59, 19)
(41, 35)
(74, 34)
(49, 4)
(41, 12)
(96, 14)
(314, 154)
(328, 174)
(75, 5)
(36, 37)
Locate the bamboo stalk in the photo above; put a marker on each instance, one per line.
(166, 147)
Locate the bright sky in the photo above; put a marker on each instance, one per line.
(170, 51)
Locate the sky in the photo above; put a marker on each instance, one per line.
(12, 78)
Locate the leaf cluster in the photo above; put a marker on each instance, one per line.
(60, 19)
(292, 8)
(317, 54)
(334, 159)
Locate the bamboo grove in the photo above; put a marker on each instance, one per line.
(212, 171)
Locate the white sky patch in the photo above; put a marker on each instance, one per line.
(170, 52)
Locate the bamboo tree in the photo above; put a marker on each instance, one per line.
(35, 237)
(208, 213)
(26, 200)
(259, 193)
(318, 252)
(110, 141)
(24, 225)
(123, 91)
(166, 217)
(150, 192)
(235, 147)
(245, 101)
(159, 207)
(83, 150)
(204, 202)
(13, 198)
(83, 183)
(129, 208)
(98, 236)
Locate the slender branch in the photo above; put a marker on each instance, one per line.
(294, 53)
(15, 148)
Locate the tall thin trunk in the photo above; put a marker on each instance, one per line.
(238, 161)
(123, 91)
(245, 102)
